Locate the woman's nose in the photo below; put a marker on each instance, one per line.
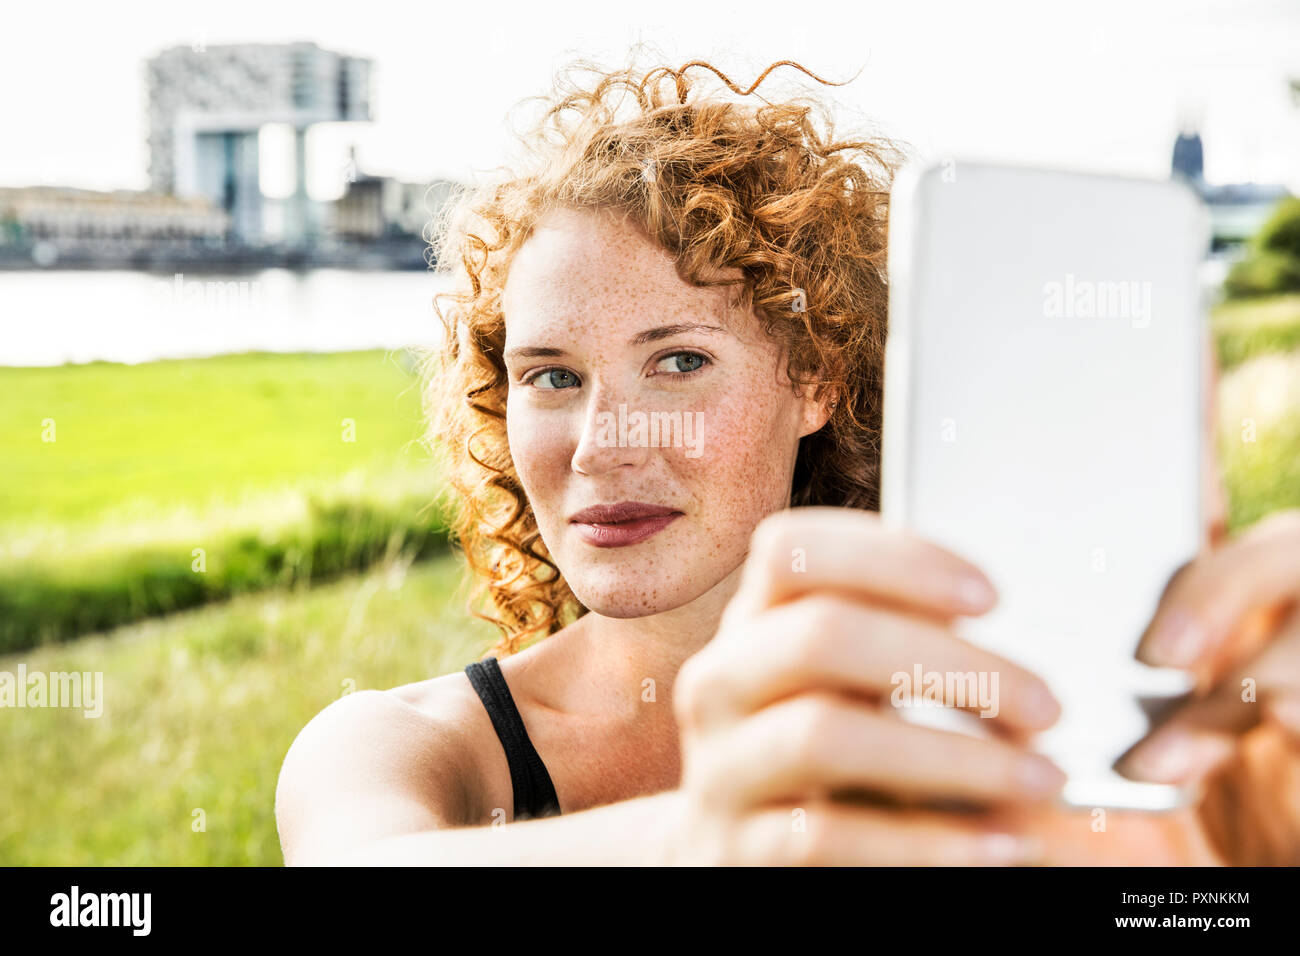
(607, 442)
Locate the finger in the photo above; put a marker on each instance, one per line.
(805, 549)
(835, 643)
(1213, 595)
(1177, 755)
(1200, 734)
(1251, 805)
(827, 833)
(823, 742)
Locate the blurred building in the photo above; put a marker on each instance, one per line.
(207, 105)
(205, 206)
(1237, 210)
(36, 213)
(377, 207)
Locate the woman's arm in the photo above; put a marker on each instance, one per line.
(633, 832)
(371, 780)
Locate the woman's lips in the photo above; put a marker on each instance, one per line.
(616, 526)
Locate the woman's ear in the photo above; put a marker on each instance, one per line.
(819, 403)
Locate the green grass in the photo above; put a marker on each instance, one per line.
(1264, 477)
(274, 469)
(1259, 436)
(1258, 344)
(199, 711)
(60, 595)
(158, 435)
(1247, 328)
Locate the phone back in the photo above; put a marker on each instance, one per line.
(1043, 418)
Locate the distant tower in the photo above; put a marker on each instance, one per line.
(1189, 157)
(206, 106)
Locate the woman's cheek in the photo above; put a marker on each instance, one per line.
(537, 450)
(744, 468)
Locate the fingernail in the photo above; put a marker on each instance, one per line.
(1041, 704)
(974, 592)
(1178, 640)
(1166, 757)
(1003, 848)
(1038, 775)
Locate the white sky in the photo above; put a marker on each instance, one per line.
(1096, 85)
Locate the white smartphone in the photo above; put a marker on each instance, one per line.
(1043, 406)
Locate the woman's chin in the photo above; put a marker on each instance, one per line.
(628, 610)
(634, 595)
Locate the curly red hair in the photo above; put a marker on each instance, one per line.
(764, 189)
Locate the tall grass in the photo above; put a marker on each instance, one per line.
(1259, 436)
(199, 710)
(1247, 329)
(131, 491)
(58, 591)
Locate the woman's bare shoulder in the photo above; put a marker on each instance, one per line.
(377, 763)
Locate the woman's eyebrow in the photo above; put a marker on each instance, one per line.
(533, 351)
(641, 338)
(666, 331)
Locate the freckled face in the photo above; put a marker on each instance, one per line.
(601, 329)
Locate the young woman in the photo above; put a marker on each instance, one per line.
(660, 403)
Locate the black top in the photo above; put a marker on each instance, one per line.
(534, 792)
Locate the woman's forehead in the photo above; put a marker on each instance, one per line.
(586, 246)
(580, 267)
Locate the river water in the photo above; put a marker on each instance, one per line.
(56, 317)
(59, 316)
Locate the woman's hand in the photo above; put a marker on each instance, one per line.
(788, 710)
(1232, 617)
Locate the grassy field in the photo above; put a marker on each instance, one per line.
(131, 491)
(200, 708)
(1259, 436)
(1247, 328)
(130, 441)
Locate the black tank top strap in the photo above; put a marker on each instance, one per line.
(534, 793)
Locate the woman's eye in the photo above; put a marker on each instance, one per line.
(682, 362)
(553, 378)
